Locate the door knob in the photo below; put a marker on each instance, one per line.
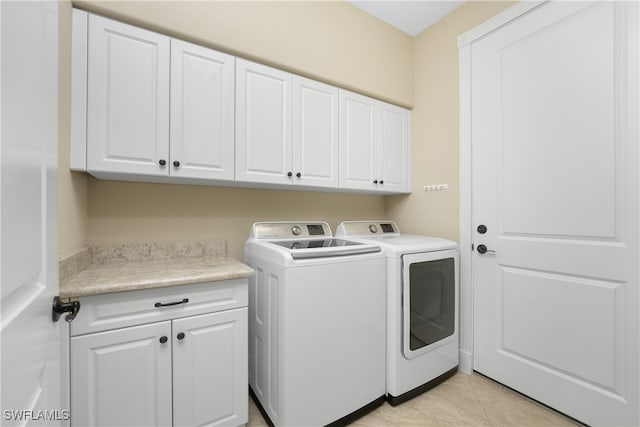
(483, 249)
(176, 164)
(59, 307)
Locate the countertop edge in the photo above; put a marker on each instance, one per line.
(228, 269)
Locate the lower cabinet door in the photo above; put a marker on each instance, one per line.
(122, 377)
(210, 384)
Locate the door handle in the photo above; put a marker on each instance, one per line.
(59, 307)
(483, 249)
(168, 304)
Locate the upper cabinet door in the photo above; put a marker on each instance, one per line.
(202, 112)
(264, 114)
(393, 148)
(128, 99)
(358, 133)
(315, 133)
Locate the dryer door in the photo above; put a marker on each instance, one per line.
(430, 301)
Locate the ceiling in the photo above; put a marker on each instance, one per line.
(411, 17)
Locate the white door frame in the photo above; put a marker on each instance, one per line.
(466, 232)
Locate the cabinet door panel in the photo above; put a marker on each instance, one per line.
(202, 112)
(393, 146)
(315, 133)
(263, 123)
(357, 141)
(210, 369)
(128, 98)
(122, 377)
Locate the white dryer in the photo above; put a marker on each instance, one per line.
(422, 306)
(316, 324)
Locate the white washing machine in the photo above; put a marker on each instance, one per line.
(422, 306)
(316, 324)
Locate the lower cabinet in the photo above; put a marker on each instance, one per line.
(185, 371)
(210, 365)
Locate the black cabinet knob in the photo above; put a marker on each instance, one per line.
(162, 162)
(289, 174)
(180, 336)
(375, 181)
(381, 182)
(482, 229)
(298, 174)
(176, 163)
(163, 339)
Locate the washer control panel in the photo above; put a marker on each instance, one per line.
(367, 228)
(289, 230)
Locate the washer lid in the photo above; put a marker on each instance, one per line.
(411, 243)
(306, 249)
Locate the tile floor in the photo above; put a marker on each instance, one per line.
(462, 400)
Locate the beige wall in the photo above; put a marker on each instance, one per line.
(72, 187)
(137, 212)
(330, 41)
(435, 125)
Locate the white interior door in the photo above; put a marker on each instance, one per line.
(30, 350)
(555, 182)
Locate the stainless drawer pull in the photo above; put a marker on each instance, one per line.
(184, 301)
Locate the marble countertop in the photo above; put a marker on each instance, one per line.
(122, 276)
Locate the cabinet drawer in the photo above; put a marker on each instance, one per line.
(122, 309)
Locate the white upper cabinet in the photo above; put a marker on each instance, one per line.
(374, 145)
(141, 121)
(128, 99)
(358, 132)
(202, 112)
(286, 128)
(147, 107)
(264, 114)
(315, 133)
(393, 148)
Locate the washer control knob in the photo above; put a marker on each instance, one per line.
(373, 228)
(296, 230)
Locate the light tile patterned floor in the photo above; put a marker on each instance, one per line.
(463, 400)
